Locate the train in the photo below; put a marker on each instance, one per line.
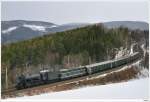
(47, 77)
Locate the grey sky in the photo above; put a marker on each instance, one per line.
(67, 12)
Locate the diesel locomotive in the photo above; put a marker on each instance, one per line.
(47, 77)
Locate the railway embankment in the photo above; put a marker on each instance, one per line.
(116, 75)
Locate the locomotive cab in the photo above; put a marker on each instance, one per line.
(44, 75)
(20, 82)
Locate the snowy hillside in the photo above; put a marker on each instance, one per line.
(18, 30)
(133, 89)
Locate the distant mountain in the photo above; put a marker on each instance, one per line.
(68, 26)
(18, 30)
(129, 24)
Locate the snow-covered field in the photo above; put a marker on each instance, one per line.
(133, 89)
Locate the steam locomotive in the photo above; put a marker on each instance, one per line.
(47, 77)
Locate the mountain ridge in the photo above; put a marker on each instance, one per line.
(18, 30)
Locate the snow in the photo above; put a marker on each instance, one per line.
(131, 49)
(123, 51)
(144, 72)
(120, 53)
(38, 28)
(9, 29)
(52, 26)
(133, 89)
(144, 49)
(35, 27)
(142, 46)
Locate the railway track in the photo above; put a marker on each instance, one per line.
(57, 84)
(9, 90)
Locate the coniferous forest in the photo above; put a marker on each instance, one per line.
(68, 49)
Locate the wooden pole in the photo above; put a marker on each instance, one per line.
(6, 79)
(68, 61)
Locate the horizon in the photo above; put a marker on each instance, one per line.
(75, 22)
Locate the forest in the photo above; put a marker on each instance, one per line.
(68, 49)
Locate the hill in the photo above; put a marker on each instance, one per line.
(19, 30)
(133, 25)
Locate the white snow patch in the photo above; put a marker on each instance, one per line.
(144, 49)
(133, 89)
(121, 52)
(144, 72)
(124, 51)
(9, 29)
(38, 28)
(35, 27)
(131, 50)
(52, 26)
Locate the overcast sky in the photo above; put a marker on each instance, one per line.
(69, 12)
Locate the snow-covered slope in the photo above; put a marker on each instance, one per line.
(29, 29)
(6, 31)
(35, 27)
(133, 89)
(18, 30)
